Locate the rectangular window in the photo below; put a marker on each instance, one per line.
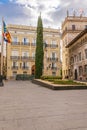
(80, 56)
(80, 70)
(24, 64)
(85, 69)
(25, 41)
(53, 54)
(14, 64)
(75, 58)
(34, 42)
(53, 44)
(33, 54)
(15, 40)
(15, 53)
(25, 53)
(73, 27)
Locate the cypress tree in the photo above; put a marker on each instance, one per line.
(39, 49)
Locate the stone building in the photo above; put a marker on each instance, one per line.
(78, 57)
(71, 27)
(21, 52)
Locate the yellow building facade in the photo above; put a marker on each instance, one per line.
(71, 27)
(21, 52)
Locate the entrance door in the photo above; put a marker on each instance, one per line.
(33, 70)
(75, 74)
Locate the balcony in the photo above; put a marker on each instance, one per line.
(27, 58)
(52, 59)
(15, 57)
(53, 68)
(15, 67)
(15, 43)
(32, 58)
(25, 44)
(53, 46)
(25, 67)
(33, 44)
(24, 57)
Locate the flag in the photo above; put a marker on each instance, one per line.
(6, 34)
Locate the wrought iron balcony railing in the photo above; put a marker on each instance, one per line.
(25, 44)
(53, 68)
(15, 57)
(25, 67)
(53, 46)
(15, 67)
(52, 59)
(27, 58)
(15, 43)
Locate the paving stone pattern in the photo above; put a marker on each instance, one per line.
(26, 106)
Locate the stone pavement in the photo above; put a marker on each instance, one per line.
(26, 106)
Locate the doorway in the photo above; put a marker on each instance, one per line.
(75, 74)
(33, 70)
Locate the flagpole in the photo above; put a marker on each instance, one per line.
(2, 49)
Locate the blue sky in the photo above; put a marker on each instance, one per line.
(4, 1)
(53, 12)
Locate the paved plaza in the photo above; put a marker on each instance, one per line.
(26, 106)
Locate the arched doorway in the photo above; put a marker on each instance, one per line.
(33, 70)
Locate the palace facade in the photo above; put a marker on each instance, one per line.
(71, 27)
(78, 57)
(21, 52)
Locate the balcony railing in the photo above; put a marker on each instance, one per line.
(53, 68)
(15, 43)
(52, 59)
(32, 58)
(15, 57)
(15, 67)
(53, 46)
(25, 44)
(25, 67)
(33, 44)
(27, 58)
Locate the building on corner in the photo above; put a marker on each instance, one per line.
(78, 57)
(71, 27)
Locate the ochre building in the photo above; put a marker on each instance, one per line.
(21, 52)
(71, 27)
(78, 57)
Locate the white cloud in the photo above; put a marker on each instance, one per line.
(37, 6)
(27, 11)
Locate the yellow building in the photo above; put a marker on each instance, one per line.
(21, 52)
(71, 27)
(78, 57)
